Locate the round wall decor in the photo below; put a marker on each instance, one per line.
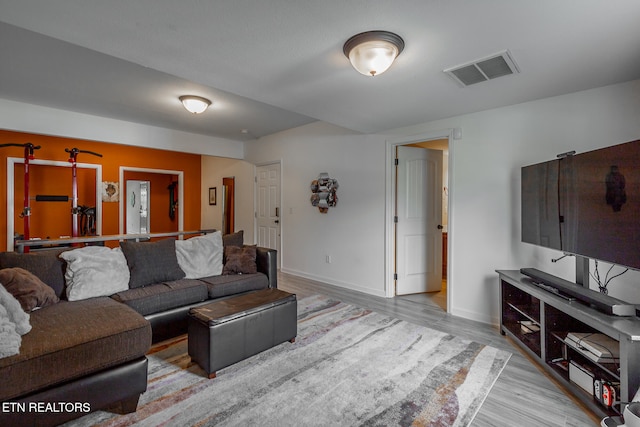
(323, 192)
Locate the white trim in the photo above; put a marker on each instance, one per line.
(12, 161)
(338, 283)
(391, 145)
(148, 170)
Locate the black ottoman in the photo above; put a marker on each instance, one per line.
(227, 331)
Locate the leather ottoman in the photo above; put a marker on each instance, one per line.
(225, 332)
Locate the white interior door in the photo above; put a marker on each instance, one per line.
(137, 207)
(418, 227)
(268, 212)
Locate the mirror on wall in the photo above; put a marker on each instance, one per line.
(228, 205)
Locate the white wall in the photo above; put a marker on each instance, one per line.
(36, 119)
(352, 233)
(485, 184)
(485, 192)
(213, 170)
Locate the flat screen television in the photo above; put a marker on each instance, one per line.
(586, 204)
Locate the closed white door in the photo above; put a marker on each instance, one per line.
(419, 218)
(268, 211)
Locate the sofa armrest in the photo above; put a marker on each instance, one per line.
(267, 262)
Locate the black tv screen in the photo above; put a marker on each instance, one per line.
(587, 204)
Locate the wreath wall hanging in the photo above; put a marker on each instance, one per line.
(323, 192)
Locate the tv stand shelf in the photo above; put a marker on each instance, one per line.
(539, 321)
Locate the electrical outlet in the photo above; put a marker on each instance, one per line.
(328, 259)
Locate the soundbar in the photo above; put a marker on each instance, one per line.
(598, 300)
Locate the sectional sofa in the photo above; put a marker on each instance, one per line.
(95, 311)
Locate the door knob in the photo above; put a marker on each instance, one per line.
(277, 221)
(440, 227)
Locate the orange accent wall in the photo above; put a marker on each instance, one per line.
(53, 218)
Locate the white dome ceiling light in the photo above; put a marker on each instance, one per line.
(195, 104)
(371, 53)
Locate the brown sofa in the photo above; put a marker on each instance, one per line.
(91, 352)
(76, 352)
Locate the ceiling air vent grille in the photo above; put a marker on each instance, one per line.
(481, 70)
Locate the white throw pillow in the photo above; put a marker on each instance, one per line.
(95, 271)
(10, 340)
(200, 256)
(14, 311)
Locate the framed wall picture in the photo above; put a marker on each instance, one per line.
(212, 195)
(110, 191)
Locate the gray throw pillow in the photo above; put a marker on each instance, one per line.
(151, 262)
(233, 239)
(45, 265)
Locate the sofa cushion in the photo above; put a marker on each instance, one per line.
(200, 256)
(163, 296)
(45, 265)
(151, 262)
(240, 260)
(222, 286)
(27, 288)
(70, 340)
(233, 239)
(95, 271)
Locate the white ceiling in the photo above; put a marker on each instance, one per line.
(277, 64)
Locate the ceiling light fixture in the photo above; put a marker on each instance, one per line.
(371, 53)
(195, 104)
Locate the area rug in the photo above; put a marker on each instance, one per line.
(349, 366)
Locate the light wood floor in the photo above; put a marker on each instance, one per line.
(522, 396)
(436, 299)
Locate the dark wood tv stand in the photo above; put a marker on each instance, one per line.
(538, 321)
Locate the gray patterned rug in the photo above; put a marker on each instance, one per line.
(349, 366)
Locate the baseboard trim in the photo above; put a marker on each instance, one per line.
(474, 315)
(340, 284)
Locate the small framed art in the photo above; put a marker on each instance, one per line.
(212, 195)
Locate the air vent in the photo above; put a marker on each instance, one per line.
(481, 70)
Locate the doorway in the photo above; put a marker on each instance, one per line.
(149, 202)
(441, 297)
(418, 220)
(436, 293)
(228, 205)
(268, 213)
(167, 200)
